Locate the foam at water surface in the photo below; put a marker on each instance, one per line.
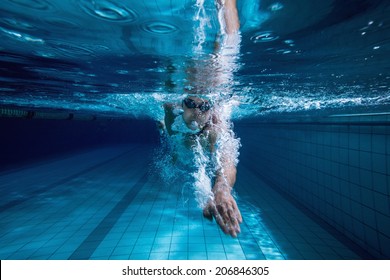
(128, 58)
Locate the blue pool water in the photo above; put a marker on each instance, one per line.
(85, 173)
(105, 204)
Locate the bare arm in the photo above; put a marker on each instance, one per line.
(224, 207)
(230, 14)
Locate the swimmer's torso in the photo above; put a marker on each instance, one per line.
(188, 136)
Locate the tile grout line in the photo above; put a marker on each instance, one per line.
(89, 245)
(37, 192)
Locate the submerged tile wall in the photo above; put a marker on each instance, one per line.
(338, 167)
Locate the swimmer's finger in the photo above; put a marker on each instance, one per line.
(227, 222)
(237, 211)
(234, 223)
(224, 213)
(232, 217)
(219, 219)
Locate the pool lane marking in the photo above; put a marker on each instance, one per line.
(93, 240)
(65, 180)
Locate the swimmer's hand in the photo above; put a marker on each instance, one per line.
(224, 209)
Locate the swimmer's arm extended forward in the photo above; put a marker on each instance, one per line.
(224, 207)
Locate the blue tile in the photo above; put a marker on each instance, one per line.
(178, 247)
(163, 239)
(383, 222)
(379, 163)
(58, 256)
(119, 257)
(255, 256)
(328, 256)
(365, 142)
(122, 250)
(197, 255)
(365, 160)
(216, 255)
(182, 255)
(235, 256)
(213, 239)
(378, 143)
(163, 247)
(355, 195)
(183, 231)
(180, 239)
(196, 247)
(358, 227)
(135, 229)
(384, 241)
(382, 203)
(142, 248)
(214, 247)
(367, 197)
(371, 237)
(294, 255)
(369, 217)
(232, 248)
(159, 256)
(101, 254)
(139, 256)
(127, 241)
(365, 177)
(379, 182)
(147, 241)
(196, 239)
(274, 257)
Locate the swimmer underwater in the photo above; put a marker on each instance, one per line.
(201, 117)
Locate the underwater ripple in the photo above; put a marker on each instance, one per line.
(61, 23)
(107, 10)
(264, 36)
(159, 27)
(71, 50)
(33, 4)
(18, 24)
(23, 37)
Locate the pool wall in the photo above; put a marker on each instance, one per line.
(337, 167)
(28, 140)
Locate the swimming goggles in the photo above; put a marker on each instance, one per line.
(191, 104)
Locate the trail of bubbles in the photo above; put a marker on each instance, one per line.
(173, 164)
(227, 144)
(203, 182)
(208, 163)
(255, 105)
(202, 20)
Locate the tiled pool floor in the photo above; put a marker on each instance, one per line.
(102, 204)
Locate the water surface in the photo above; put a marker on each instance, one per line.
(124, 58)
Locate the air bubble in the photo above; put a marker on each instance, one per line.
(264, 37)
(276, 7)
(107, 10)
(157, 27)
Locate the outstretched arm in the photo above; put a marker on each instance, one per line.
(230, 15)
(224, 207)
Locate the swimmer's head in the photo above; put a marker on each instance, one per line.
(197, 112)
